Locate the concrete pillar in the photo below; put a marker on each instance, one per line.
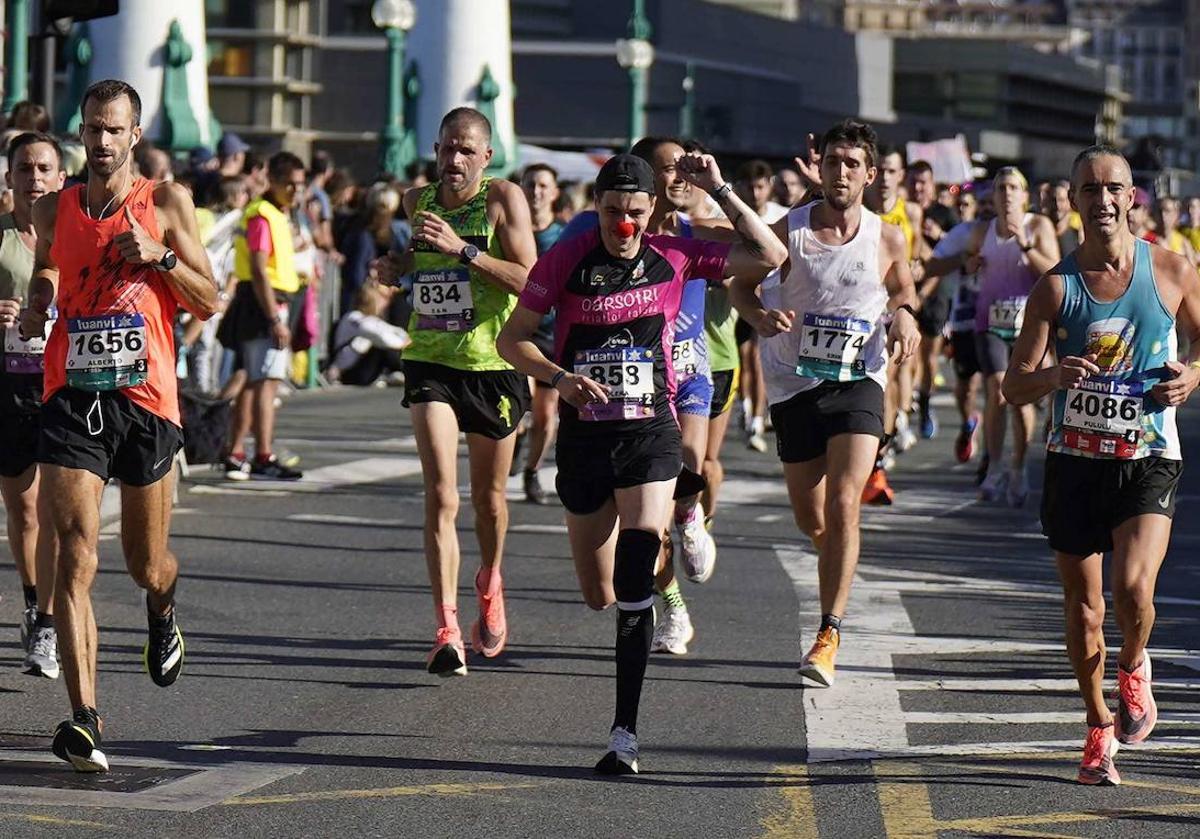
(451, 43)
(130, 46)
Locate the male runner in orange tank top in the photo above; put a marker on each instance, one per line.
(116, 257)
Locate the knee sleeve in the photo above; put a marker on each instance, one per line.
(633, 569)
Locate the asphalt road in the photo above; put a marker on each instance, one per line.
(304, 708)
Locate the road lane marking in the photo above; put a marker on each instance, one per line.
(54, 820)
(381, 792)
(904, 801)
(322, 479)
(797, 817)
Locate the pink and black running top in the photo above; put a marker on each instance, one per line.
(615, 324)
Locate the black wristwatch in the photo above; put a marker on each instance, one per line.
(468, 254)
(168, 261)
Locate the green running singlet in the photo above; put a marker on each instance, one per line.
(456, 313)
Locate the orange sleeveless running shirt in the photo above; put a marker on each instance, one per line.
(94, 281)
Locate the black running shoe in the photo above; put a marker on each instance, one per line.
(163, 653)
(273, 470)
(77, 741)
(534, 493)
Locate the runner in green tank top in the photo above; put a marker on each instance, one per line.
(471, 250)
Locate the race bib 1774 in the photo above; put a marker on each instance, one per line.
(831, 348)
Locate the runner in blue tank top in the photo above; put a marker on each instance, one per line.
(1110, 311)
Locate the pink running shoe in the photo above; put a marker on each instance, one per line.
(490, 632)
(1097, 767)
(448, 657)
(1137, 712)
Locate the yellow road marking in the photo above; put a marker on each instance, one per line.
(989, 824)
(797, 817)
(37, 817)
(381, 792)
(904, 801)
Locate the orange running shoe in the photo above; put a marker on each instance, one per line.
(448, 657)
(1097, 767)
(490, 632)
(877, 491)
(818, 664)
(1137, 712)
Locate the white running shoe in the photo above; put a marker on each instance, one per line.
(756, 441)
(905, 437)
(42, 659)
(698, 548)
(622, 755)
(994, 486)
(1017, 490)
(673, 632)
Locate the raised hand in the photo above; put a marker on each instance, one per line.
(700, 170)
(434, 230)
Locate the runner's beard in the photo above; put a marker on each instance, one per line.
(104, 170)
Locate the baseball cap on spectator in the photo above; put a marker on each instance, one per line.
(625, 173)
(198, 156)
(1141, 198)
(231, 144)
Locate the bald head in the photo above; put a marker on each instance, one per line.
(467, 118)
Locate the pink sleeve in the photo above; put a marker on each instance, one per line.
(258, 235)
(549, 274)
(706, 260)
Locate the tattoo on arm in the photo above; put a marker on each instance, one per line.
(735, 218)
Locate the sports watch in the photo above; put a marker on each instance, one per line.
(167, 262)
(468, 254)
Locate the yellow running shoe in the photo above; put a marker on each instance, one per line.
(818, 664)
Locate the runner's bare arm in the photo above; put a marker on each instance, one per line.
(509, 212)
(1027, 380)
(1044, 254)
(515, 345)
(43, 286)
(916, 217)
(903, 335)
(1182, 284)
(191, 280)
(757, 251)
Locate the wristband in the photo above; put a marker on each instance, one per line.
(556, 378)
(721, 191)
(906, 308)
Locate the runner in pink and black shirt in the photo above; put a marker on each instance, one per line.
(617, 293)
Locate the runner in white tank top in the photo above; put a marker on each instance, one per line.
(825, 354)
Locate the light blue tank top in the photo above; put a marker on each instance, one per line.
(1112, 415)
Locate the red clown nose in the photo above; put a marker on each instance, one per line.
(625, 229)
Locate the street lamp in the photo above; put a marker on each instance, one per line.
(636, 54)
(395, 18)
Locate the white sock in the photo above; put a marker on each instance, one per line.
(757, 425)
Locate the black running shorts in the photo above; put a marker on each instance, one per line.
(724, 391)
(590, 469)
(992, 353)
(490, 403)
(1085, 499)
(804, 423)
(20, 409)
(966, 360)
(109, 435)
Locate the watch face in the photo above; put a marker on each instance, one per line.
(168, 260)
(470, 252)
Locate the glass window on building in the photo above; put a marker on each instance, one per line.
(353, 18)
(230, 58)
(229, 14)
(232, 105)
(294, 63)
(293, 111)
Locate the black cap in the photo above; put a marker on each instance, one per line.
(625, 173)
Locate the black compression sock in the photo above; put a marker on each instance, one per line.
(634, 633)
(30, 596)
(44, 621)
(831, 621)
